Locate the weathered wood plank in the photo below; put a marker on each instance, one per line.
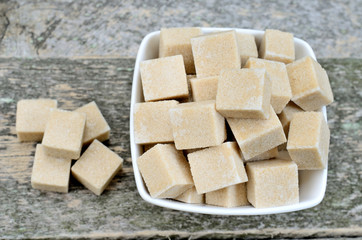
(119, 211)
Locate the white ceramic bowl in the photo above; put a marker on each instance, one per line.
(312, 183)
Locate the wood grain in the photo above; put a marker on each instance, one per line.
(119, 211)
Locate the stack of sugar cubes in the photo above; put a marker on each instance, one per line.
(63, 134)
(214, 138)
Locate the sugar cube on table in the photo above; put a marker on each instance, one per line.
(244, 93)
(281, 92)
(272, 183)
(152, 123)
(232, 196)
(277, 46)
(164, 78)
(31, 118)
(287, 114)
(214, 52)
(165, 171)
(217, 167)
(191, 196)
(256, 136)
(96, 126)
(63, 136)
(204, 89)
(308, 141)
(310, 84)
(247, 47)
(96, 167)
(50, 173)
(197, 125)
(175, 41)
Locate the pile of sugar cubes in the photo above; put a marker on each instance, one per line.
(62, 135)
(214, 138)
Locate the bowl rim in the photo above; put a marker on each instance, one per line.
(208, 209)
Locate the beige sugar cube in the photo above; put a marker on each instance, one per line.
(214, 52)
(308, 141)
(204, 89)
(197, 125)
(256, 136)
(50, 173)
(175, 41)
(281, 92)
(165, 171)
(152, 123)
(191, 196)
(31, 118)
(97, 167)
(63, 134)
(310, 84)
(164, 78)
(232, 196)
(272, 183)
(287, 114)
(277, 46)
(272, 153)
(96, 126)
(217, 167)
(244, 93)
(247, 47)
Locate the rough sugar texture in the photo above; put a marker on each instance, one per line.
(50, 173)
(232, 196)
(31, 118)
(244, 93)
(164, 78)
(63, 134)
(310, 84)
(217, 167)
(191, 196)
(204, 89)
(214, 52)
(152, 122)
(197, 125)
(281, 92)
(287, 114)
(247, 47)
(277, 46)
(165, 171)
(272, 183)
(272, 153)
(96, 126)
(256, 136)
(96, 167)
(175, 41)
(308, 141)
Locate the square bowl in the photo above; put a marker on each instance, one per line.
(312, 184)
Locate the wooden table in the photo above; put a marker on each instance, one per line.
(120, 211)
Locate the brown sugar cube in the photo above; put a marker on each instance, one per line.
(189, 97)
(191, 196)
(214, 52)
(50, 173)
(256, 136)
(164, 78)
(287, 114)
(97, 167)
(244, 93)
(197, 125)
(310, 84)
(31, 118)
(308, 141)
(217, 167)
(272, 153)
(204, 89)
(176, 41)
(247, 47)
(63, 134)
(281, 92)
(277, 46)
(232, 196)
(152, 122)
(96, 126)
(165, 171)
(272, 183)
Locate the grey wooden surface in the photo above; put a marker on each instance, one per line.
(119, 211)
